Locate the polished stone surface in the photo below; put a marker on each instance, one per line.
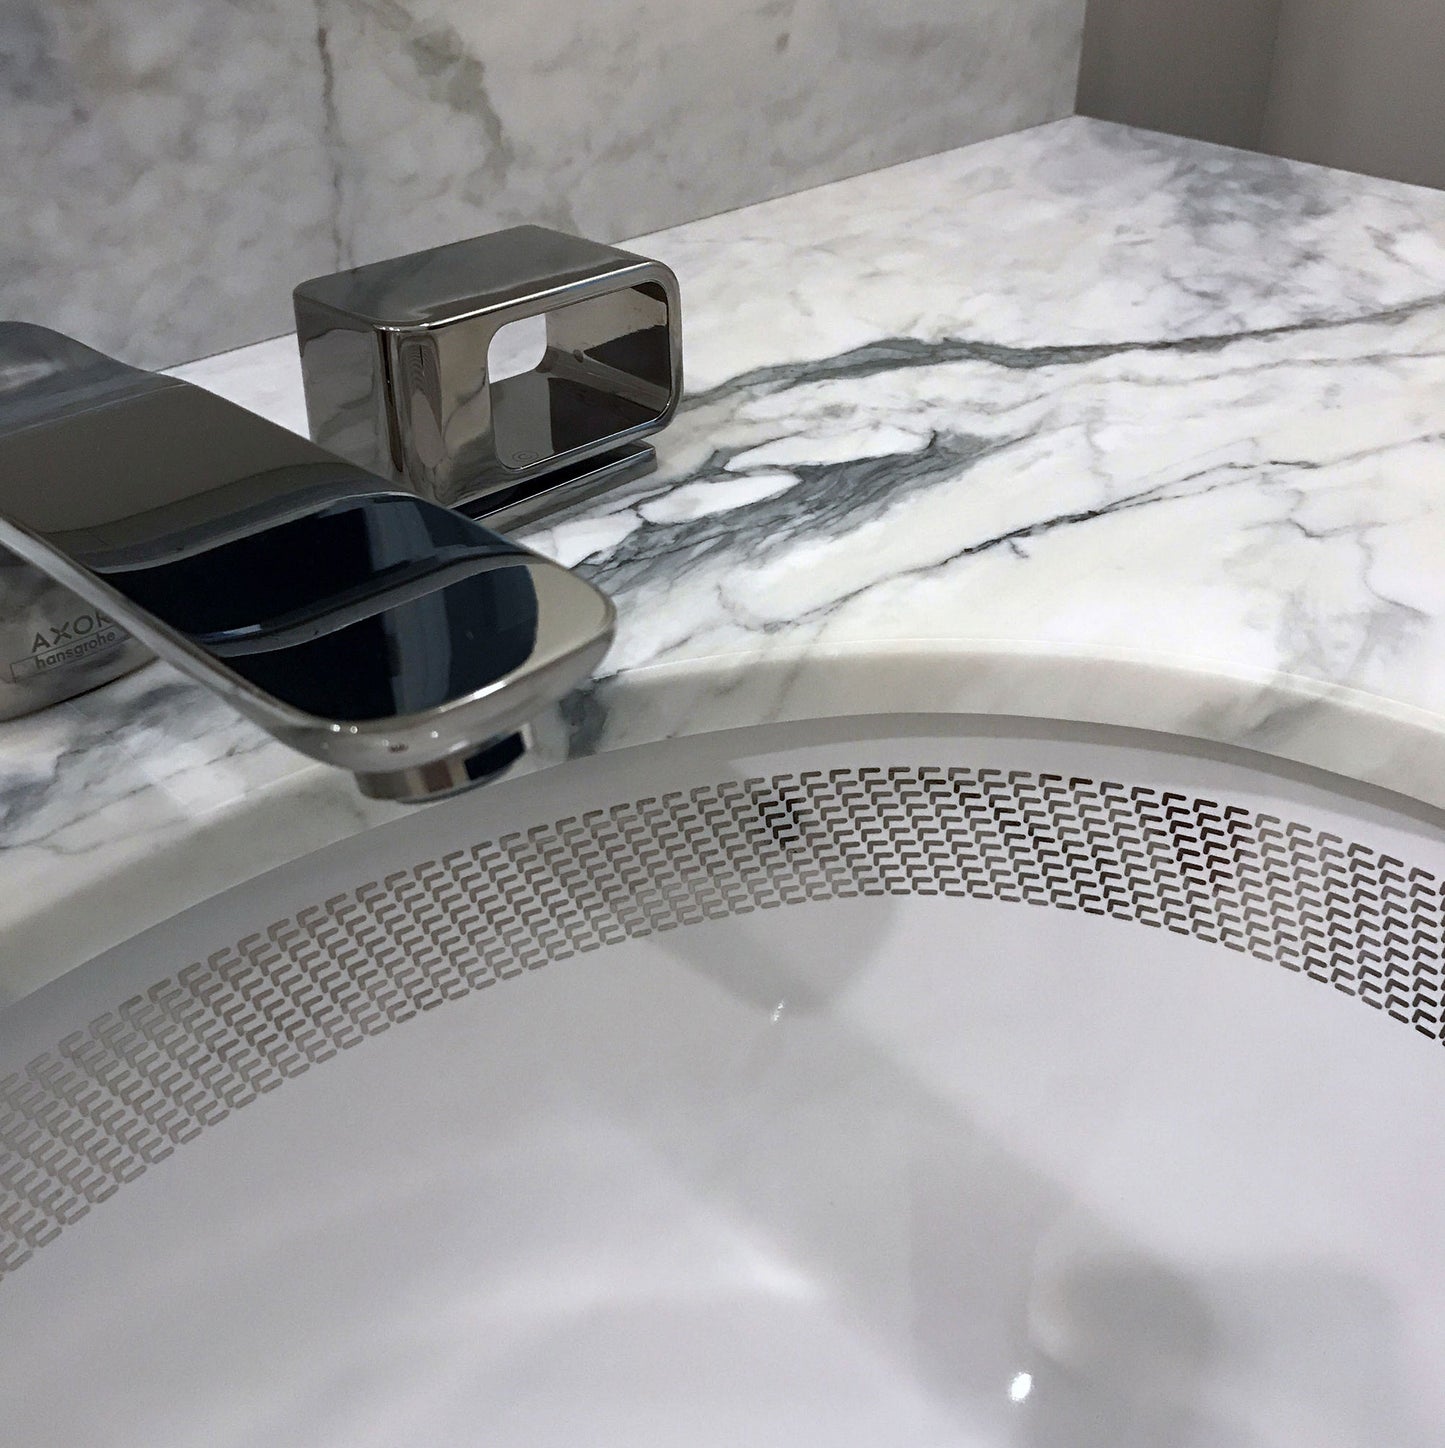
(1082, 423)
(173, 170)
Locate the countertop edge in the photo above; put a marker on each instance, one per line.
(1355, 736)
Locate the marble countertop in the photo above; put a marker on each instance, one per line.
(1082, 423)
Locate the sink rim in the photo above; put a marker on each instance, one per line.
(369, 858)
(283, 910)
(196, 831)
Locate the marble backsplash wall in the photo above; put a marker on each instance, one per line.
(169, 169)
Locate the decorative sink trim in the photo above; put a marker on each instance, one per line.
(109, 1101)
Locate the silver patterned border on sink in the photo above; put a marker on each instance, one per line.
(110, 1100)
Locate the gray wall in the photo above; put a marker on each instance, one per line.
(172, 167)
(1353, 83)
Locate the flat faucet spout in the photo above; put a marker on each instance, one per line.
(359, 623)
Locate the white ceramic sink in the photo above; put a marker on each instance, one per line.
(898, 1083)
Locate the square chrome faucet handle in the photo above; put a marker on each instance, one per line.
(401, 364)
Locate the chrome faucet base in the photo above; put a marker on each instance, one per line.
(410, 369)
(422, 783)
(529, 502)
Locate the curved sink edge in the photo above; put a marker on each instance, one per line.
(1353, 734)
(152, 857)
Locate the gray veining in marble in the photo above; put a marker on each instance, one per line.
(1079, 424)
(172, 170)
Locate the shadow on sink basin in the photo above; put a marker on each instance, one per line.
(812, 1130)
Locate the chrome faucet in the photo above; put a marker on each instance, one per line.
(359, 623)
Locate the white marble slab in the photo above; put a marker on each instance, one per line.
(173, 169)
(1082, 423)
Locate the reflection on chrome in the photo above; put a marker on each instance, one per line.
(359, 623)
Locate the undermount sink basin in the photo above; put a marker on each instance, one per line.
(900, 1082)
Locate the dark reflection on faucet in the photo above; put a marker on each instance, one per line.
(366, 608)
(358, 622)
